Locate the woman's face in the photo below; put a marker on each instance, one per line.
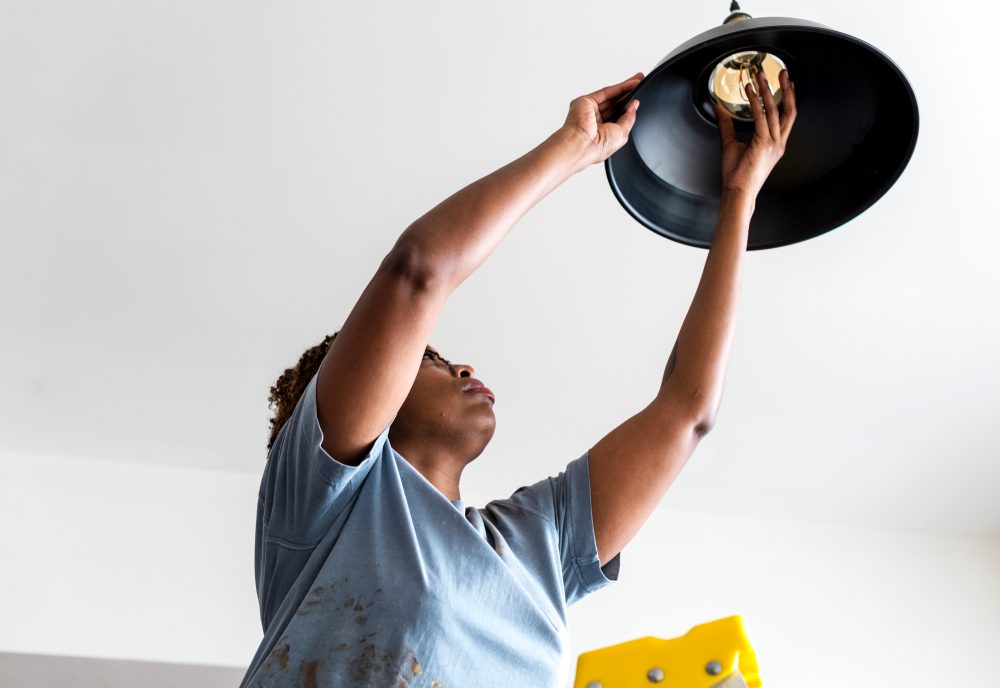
(447, 403)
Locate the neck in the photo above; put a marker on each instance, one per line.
(441, 467)
(442, 476)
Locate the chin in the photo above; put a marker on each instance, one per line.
(488, 425)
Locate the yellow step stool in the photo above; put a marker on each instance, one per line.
(716, 654)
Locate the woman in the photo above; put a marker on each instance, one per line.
(370, 569)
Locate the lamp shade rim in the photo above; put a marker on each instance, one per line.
(759, 32)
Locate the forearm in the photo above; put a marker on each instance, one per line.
(633, 465)
(456, 236)
(696, 370)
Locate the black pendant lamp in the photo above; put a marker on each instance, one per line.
(855, 131)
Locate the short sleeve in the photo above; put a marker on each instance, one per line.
(565, 500)
(304, 487)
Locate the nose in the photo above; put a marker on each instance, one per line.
(462, 370)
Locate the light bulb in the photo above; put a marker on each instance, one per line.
(728, 81)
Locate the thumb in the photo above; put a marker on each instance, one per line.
(627, 120)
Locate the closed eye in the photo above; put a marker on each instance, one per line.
(435, 358)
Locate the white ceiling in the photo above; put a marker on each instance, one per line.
(193, 193)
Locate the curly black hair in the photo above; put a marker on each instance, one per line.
(286, 392)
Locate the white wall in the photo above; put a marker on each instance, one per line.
(109, 559)
(825, 606)
(128, 561)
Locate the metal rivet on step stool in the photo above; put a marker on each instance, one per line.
(655, 675)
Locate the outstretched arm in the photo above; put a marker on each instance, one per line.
(632, 467)
(380, 345)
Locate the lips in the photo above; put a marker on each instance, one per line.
(477, 387)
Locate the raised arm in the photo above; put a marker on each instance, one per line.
(632, 467)
(371, 365)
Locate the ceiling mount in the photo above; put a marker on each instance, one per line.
(735, 13)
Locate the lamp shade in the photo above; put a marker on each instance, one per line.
(854, 134)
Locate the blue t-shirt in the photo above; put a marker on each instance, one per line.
(368, 576)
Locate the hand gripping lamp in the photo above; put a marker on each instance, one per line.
(854, 134)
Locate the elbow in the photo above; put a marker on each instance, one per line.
(703, 424)
(698, 409)
(701, 401)
(410, 265)
(703, 414)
